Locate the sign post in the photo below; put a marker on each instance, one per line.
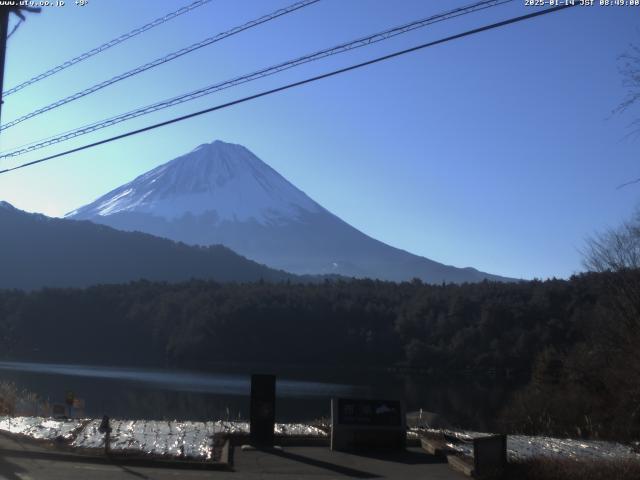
(263, 410)
(58, 410)
(69, 401)
(105, 427)
(78, 407)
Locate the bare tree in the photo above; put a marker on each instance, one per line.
(629, 68)
(615, 253)
(630, 71)
(616, 249)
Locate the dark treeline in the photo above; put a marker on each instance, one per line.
(552, 339)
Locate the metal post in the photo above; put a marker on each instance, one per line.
(4, 30)
(105, 427)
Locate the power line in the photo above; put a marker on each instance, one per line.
(105, 46)
(295, 84)
(344, 47)
(159, 61)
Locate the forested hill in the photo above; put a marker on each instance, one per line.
(38, 251)
(364, 322)
(570, 342)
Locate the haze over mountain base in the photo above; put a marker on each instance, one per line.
(38, 251)
(221, 193)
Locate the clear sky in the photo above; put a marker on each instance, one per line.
(497, 151)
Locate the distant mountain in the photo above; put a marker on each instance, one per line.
(221, 193)
(38, 251)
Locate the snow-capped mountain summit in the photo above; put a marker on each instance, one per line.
(217, 177)
(221, 193)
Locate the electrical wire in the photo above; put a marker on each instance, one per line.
(107, 45)
(344, 47)
(294, 85)
(160, 61)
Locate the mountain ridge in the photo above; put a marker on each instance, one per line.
(221, 193)
(220, 172)
(37, 251)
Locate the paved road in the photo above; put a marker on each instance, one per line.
(20, 460)
(320, 463)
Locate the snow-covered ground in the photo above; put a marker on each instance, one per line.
(521, 447)
(40, 428)
(192, 440)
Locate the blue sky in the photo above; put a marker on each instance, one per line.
(497, 151)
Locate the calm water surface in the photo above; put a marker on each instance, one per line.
(190, 395)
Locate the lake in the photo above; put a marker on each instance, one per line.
(302, 395)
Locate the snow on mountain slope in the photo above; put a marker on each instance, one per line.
(220, 177)
(221, 193)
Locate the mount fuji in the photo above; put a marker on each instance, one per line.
(221, 193)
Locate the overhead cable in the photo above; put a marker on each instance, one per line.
(208, 90)
(105, 46)
(292, 85)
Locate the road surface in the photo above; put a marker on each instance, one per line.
(24, 460)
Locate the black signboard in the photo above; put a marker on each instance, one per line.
(375, 413)
(263, 409)
(358, 424)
